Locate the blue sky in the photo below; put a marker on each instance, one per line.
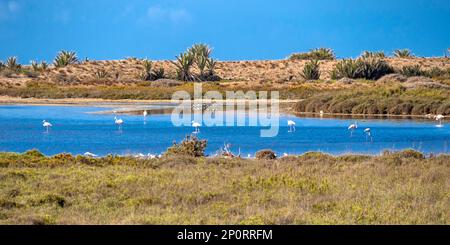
(237, 30)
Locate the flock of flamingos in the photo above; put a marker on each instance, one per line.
(290, 123)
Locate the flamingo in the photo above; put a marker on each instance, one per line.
(46, 124)
(291, 125)
(368, 133)
(439, 118)
(118, 122)
(196, 125)
(352, 128)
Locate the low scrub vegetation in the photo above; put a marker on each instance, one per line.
(12, 64)
(403, 53)
(315, 54)
(361, 68)
(266, 155)
(314, 188)
(311, 70)
(65, 58)
(412, 71)
(395, 100)
(190, 146)
(373, 54)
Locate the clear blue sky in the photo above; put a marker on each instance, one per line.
(236, 29)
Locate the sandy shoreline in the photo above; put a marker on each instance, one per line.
(5, 100)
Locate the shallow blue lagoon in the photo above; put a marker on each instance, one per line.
(76, 130)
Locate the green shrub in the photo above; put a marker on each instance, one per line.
(65, 58)
(373, 68)
(190, 146)
(367, 68)
(408, 153)
(436, 72)
(265, 154)
(210, 74)
(373, 54)
(146, 75)
(34, 153)
(412, 71)
(13, 65)
(183, 66)
(44, 66)
(314, 54)
(34, 65)
(101, 73)
(403, 53)
(391, 100)
(200, 53)
(158, 74)
(311, 70)
(345, 68)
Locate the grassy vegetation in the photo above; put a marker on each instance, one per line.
(141, 91)
(384, 100)
(314, 54)
(366, 68)
(403, 53)
(314, 188)
(311, 70)
(199, 55)
(65, 58)
(373, 54)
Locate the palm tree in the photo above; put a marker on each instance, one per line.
(211, 66)
(147, 74)
(65, 58)
(183, 64)
(12, 64)
(403, 53)
(200, 53)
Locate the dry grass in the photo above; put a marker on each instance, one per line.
(400, 188)
(123, 72)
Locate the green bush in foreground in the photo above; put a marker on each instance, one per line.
(315, 54)
(190, 146)
(265, 154)
(313, 188)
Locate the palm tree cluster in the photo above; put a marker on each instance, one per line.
(199, 55)
(311, 70)
(43, 66)
(12, 64)
(366, 68)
